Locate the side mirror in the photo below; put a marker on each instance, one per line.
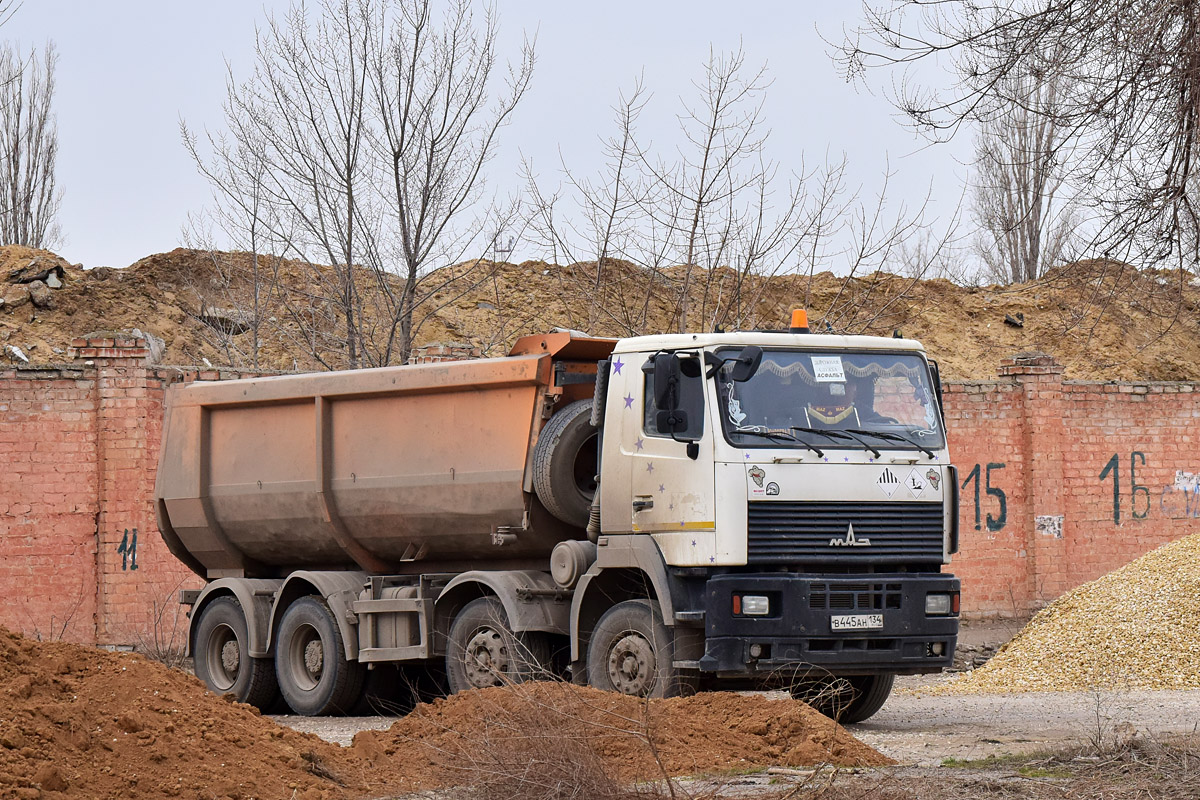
(667, 379)
(746, 364)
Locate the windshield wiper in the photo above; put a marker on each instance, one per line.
(781, 437)
(895, 437)
(850, 434)
(828, 434)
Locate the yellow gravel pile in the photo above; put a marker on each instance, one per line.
(1137, 627)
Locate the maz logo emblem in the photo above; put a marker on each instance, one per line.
(850, 540)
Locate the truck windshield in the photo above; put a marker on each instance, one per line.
(816, 397)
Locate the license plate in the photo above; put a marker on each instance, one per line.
(856, 622)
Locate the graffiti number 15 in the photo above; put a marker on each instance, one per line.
(993, 523)
(1113, 467)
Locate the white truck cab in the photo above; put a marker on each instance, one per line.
(799, 493)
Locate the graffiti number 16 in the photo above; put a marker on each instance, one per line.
(1113, 467)
(993, 523)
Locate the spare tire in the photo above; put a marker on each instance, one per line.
(565, 463)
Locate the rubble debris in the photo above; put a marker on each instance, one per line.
(230, 321)
(960, 326)
(39, 268)
(16, 296)
(41, 295)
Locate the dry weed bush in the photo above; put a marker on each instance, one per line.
(535, 749)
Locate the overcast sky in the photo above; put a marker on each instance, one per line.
(129, 70)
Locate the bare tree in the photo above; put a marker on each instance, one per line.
(436, 128)
(358, 146)
(1132, 115)
(29, 198)
(704, 231)
(1025, 225)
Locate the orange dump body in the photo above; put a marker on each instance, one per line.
(391, 470)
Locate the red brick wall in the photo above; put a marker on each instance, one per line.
(1055, 452)
(48, 503)
(79, 446)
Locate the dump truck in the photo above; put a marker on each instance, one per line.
(650, 515)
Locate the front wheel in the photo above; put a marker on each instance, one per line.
(483, 651)
(631, 651)
(310, 661)
(222, 656)
(847, 700)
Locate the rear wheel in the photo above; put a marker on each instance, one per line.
(310, 661)
(847, 700)
(222, 656)
(483, 651)
(631, 651)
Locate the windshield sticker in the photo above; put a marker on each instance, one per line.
(734, 408)
(915, 483)
(931, 417)
(888, 482)
(828, 369)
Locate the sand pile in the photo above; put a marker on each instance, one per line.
(1137, 627)
(82, 723)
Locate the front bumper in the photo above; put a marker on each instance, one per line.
(797, 635)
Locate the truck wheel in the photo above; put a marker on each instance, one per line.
(310, 661)
(222, 655)
(847, 700)
(631, 651)
(483, 651)
(565, 463)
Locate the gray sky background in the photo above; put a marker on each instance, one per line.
(129, 70)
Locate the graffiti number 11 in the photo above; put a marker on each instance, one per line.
(128, 550)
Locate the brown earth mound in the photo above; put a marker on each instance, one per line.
(549, 728)
(83, 723)
(1102, 320)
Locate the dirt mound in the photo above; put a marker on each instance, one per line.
(1102, 320)
(1137, 627)
(541, 727)
(82, 723)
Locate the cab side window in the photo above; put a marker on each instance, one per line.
(693, 404)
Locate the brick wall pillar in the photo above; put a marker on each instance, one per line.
(1042, 516)
(128, 429)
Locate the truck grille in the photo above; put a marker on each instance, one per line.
(791, 532)
(848, 596)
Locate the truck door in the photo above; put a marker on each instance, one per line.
(670, 494)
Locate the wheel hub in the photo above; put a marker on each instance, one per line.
(314, 658)
(230, 656)
(486, 659)
(631, 665)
